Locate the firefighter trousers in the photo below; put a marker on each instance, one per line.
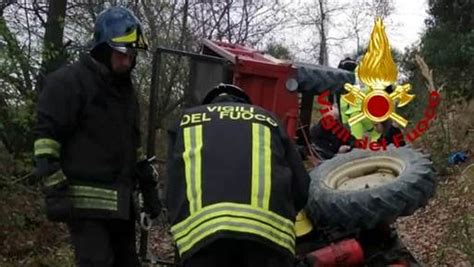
(104, 242)
(238, 253)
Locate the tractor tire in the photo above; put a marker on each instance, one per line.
(363, 188)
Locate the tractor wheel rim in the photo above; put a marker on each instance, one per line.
(365, 173)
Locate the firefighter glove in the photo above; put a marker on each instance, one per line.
(147, 184)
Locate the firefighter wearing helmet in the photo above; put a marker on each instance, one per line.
(87, 137)
(235, 184)
(364, 127)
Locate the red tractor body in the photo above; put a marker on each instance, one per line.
(263, 78)
(284, 88)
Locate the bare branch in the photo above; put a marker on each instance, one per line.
(217, 22)
(37, 9)
(5, 4)
(426, 72)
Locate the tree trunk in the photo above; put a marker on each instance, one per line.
(323, 48)
(53, 52)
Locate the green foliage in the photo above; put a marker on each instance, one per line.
(448, 48)
(17, 127)
(448, 45)
(279, 51)
(409, 71)
(17, 95)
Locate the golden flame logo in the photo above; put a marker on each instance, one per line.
(377, 71)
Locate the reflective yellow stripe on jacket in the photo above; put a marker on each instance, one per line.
(87, 197)
(261, 166)
(237, 218)
(192, 162)
(253, 217)
(46, 146)
(54, 179)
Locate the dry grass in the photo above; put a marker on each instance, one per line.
(442, 234)
(27, 238)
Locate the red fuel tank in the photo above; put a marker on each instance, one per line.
(344, 253)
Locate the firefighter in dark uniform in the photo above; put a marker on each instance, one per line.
(86, 147)
(235, 184)
(326, 143)
(388, 133)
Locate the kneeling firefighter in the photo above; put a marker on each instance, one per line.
(86, 147)
(235, 182)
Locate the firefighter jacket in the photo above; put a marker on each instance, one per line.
(360, 129)
(233, 173)
(88, 121)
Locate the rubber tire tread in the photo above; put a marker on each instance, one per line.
(366, 208)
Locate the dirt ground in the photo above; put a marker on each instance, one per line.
(442, 233)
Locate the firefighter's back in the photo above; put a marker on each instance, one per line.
(229, 179)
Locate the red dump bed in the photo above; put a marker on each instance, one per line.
(263, 78)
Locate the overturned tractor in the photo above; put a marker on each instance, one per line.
(353, 198)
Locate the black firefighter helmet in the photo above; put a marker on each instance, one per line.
(226, 93)
(348, 64)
